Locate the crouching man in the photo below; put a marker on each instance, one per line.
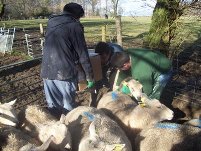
(151, 68)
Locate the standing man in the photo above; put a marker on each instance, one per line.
(151, 68)
(106, 51)
(64, 50)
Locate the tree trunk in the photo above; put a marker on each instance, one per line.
(2, 8)
(163, 26)
(118, 29)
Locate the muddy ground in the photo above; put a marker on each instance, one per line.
(24, 83)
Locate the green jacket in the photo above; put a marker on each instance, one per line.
(146, 67)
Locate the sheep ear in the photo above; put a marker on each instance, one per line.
(12, 102)
(92, 131)
(140, 86)
(45, 145)
(62, 119)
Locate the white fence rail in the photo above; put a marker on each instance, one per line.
(33, 47)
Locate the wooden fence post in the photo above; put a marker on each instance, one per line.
(41, 30)
(104, 33)
(119, 29)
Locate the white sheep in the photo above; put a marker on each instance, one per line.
(13, 139)
(79, 124)
(37, 122)
(94, 141)
(115, 97)
(43, 147)
(132, 117)
(134, 86)
(59, 131)
(8, 115)
(169, 137)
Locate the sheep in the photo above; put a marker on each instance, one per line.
(94, 141)
(189, 106)
(13, 139)
(134, 86)
(28, 117)
(79, 124)
(169, 136)
(59, 131)
(8, 115)
(43, 147)
(132, 117)
(37, 122)
(115, 97)
(194, 122)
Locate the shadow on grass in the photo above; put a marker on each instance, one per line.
(127, 37)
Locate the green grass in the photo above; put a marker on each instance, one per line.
(21, 54)
(188, 34)
(132, 28)
(23, 23)
(93, 26)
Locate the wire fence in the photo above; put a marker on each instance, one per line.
(29, 41)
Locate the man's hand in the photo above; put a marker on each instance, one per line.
(90, 84)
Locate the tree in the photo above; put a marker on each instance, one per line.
(115, 5)
(22, 9)
(2, 8)
(93, 4)
(164, 23)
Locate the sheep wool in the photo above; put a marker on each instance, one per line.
(79, 121)
(7, 110)
(132, 117)
(42, 125)
(13, 139)
(104, 134)
(169, 136)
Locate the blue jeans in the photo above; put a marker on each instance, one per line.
(60, 94)
(160, 84)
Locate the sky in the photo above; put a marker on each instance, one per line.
(137, 8)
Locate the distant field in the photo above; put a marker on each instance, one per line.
(133, 29)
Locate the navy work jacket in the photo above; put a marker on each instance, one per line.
(64, 48)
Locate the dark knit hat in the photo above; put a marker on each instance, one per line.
(102, 48)
(75, 9)
(119, 59)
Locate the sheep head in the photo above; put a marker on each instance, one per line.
(62, 136)
(134, 86)
(101, 144)
(160, 111)
(151, 113)
(7, 114)
(94, 143)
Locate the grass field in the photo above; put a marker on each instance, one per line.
(133, 29)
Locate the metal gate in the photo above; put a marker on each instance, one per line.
(6, 40)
